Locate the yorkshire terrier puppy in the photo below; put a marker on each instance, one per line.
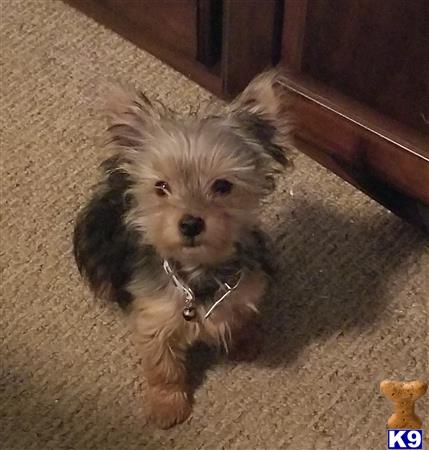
(171, 232)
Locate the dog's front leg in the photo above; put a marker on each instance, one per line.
(162, 341)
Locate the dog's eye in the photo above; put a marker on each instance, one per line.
(162, 188)
(222, 187)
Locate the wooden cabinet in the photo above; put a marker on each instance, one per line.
(221, 44)
(359, 70)
(191, 28)
(376, 52)
(173, 24)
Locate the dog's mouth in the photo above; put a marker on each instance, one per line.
(192, 243)
(202, 251)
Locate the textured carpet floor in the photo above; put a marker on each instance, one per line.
(349, 307)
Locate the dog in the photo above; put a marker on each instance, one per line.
(171, 232)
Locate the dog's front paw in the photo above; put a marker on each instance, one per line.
(168, 407)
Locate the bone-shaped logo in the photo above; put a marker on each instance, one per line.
(403, 395)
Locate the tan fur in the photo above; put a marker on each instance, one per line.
(231, 316)
(162, 337)
(242, 146)
(190, 174)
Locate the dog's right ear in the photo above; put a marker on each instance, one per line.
(131, 117)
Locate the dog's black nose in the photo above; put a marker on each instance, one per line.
(191, 226)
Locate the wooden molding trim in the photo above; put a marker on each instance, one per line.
(379, 156)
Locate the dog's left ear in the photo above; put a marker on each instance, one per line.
(263, 114)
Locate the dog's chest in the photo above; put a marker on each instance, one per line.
(215, 304)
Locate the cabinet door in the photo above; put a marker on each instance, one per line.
(184, 26)
(187, 34)
(220, 44)
(374, 51)
(360, 70)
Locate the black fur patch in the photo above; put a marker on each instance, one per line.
(263, 132)
(107, 252)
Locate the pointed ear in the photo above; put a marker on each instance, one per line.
(264, 113)
(131, 117)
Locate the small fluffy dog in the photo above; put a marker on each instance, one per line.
(171, 232)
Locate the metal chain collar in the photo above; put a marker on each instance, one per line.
(189, 310)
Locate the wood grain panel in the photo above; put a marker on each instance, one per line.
(386, 160)
(250, 41)
(375, 51)
(172, 22)
(102, 13)
(295, 14)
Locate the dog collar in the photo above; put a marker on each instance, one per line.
(189, 311)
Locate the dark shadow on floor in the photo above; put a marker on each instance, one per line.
(331, 276)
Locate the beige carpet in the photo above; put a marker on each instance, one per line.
(349, 307)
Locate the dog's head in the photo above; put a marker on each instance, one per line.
(196, 183)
